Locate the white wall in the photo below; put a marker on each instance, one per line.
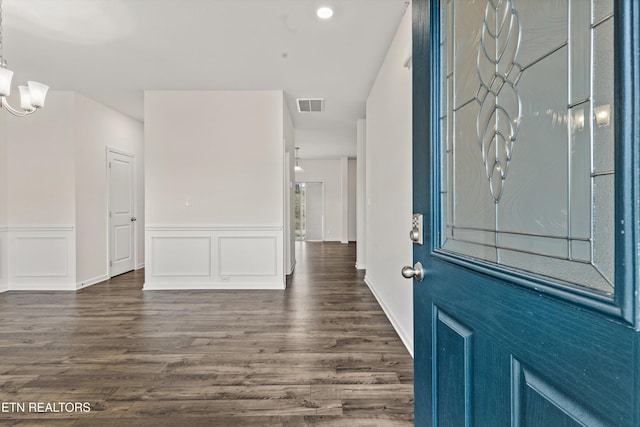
(41, 171)
(225, 160)
(352, 184)
(361, 198)
(389, 186)
(3, 204)
(98, 127)
(326, 144)
(329, 173)
(41, 197)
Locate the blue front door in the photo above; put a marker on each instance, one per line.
(527, 171)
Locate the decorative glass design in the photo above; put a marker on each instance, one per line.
(499, 116)
(527, 167)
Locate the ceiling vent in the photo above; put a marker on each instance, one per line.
(310, 105)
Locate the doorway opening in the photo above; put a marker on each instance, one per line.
(309, 210)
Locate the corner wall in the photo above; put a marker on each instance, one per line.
(214, 190)
(389, 186)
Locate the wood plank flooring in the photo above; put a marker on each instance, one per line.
(320, 353)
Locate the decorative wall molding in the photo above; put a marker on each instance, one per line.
(46, 228)
(248, 256)
(407, 340)
(181, 256)
(41, 258)
(214, 257)
(140, 266)
(212, 227)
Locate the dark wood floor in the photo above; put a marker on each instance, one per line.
(320, 353)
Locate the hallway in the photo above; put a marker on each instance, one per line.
(322, 352)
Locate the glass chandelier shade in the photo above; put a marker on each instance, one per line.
(32, 96)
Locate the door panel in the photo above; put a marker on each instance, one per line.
(121, 213)
(527, 312)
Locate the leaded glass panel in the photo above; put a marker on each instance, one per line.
(527, 136)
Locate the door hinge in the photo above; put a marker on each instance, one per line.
(109, 214)
(109, 164)
(110, 263)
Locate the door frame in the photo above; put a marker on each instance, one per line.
(426, 104)
(322, 183)
(134, 162)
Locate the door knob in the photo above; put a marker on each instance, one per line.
(417, 272)
(134, 219)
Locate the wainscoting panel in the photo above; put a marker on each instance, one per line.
(180, 256)
(247, 256)
(214, 257)
(41, 258)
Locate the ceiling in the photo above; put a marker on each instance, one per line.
(114, 50)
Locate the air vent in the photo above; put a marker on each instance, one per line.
(310, 105)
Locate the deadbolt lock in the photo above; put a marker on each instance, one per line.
(416, 229)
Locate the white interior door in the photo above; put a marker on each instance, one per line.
(121, 213)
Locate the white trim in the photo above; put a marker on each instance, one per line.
(40, 228)
(43, 287)
(4, 228)
(91, 282)
(4, 289)
(406, 340)
(181, 286)
(205, 227)
(360, 266)
(140, 266)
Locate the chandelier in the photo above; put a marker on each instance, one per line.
(31, 96)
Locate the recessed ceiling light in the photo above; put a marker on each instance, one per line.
(324, 12)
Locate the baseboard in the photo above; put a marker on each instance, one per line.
(404, 337)
(91, 282)
(42, 287)
(360, 266)
(140, 266)
(3, 288)
(293, 267)
(218, 286)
